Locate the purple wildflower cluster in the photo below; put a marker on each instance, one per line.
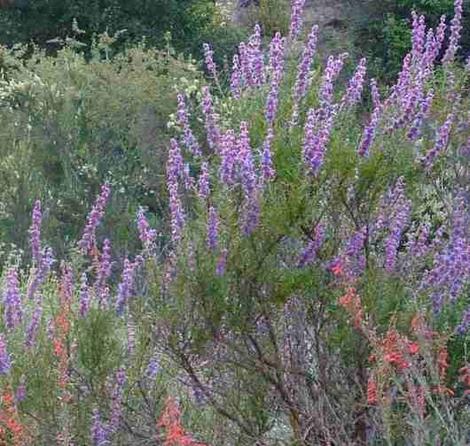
(451, 267)
(309, 254)
(204, 181)
(33, 327)
(103, 273)
(84, 296)
(189, 139)
(316, 137)
(13, 311)
(255, 72)
(352, 260)
(455, 32)
(209, 60)
(40, 274)
(276, 68)
(174, 172)
(369, 132)
(211, 119)
(127, 283)
(88, 240)
(356, 85)
(229, 154)
(303, 79)
(147, 235)
(5, 362)
(117, 401)
(213, 229)
(333, 68)
(296, 18)
(239, 175)
(419, 242)
(442, 140)
(153, 368)
(35, 233)
(267, 166)
(248, 69)
(99, 433)
(399, 214)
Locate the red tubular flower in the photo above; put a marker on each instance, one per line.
(175, 434)
(443, 362)
(351, 302)
(9, 420)
(372, 398)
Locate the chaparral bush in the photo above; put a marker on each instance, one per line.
(309, 286)
(70, 122)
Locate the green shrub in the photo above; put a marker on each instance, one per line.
(70, 123)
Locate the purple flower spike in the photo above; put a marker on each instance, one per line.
(332, 70)
(245, 160)
(221, 263)
(309, 254)
(276, 62)
(189, 139)
(229, 154)
(424, 108)
(175, 164)
(398, 221)
(94, 219)
(351, 259)
(33, 327)
(84, 296)
(316, 137)
(35, 233)
(267, 167)
(66, 282)
(211, 119)
(99, 432)
(296, 18)
(451, 267)
(418, 35)
(116, 400)
(236, 78)
(13, 312)
(153, 368)
(103, 273)
(255, 57)
(368, 135)
(126, 286)
(209, 60)
(41, 273)
(147, 235)
(175, 170)
(375, 94)
(245, 66)
(251, 213)
(455, 32)
(5, 362)
(303, 80)
(204, 186)
(356, 85)
(213, 229)
(442, 140)
(464, 326)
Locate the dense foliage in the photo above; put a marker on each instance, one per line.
(69, 123)
(308, 283)
(47, 22)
